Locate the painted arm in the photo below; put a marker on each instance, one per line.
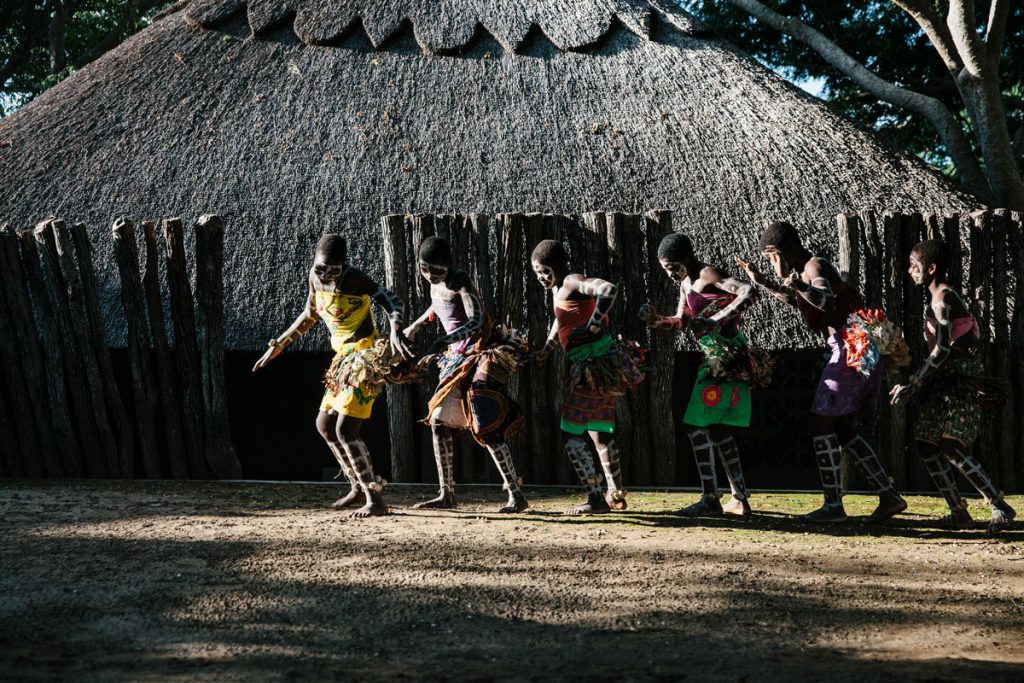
(677, 323)
(550, 344)
(940, 352)
(605, 293)
(819, 292)
(306, 320)
(786, 295)
(474, 311)
(411, 331)
(357, 282)
(745, 295)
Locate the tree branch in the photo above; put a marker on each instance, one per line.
(964, 29)
(951, 133)
(995, 31)
(938, 33)
(57, 57)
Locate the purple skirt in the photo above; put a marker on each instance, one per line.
(842, 390)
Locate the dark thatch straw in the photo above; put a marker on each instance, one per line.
(290, 117)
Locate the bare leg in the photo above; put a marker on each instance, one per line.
(608, 453)
(704, 452)
(889, 502)
(729, 455)
(326, 424)
(444, 456)
(581, 459)
(944, 478)
(362, 465)
(956, 453)
(503, 460)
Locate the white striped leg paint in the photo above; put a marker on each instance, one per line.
(942, 474)
(972, 471)
(444, 457)
(867, 462)
(581, 459)
(729, 456)
(828, 453)
(502, 457)
(359, 456)
(704, 452)
(609, 455)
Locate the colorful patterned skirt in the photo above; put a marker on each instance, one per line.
(473, 390)
(953, 401)
(842, 389)
(721, 395)
(599, 372)
(350, 399)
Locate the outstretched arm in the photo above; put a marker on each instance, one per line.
(302, 324)
(413, 328)
(550, 344)
(745, 294)
(784, 294)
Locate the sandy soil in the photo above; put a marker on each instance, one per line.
(175, 581)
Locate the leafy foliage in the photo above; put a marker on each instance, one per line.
(887, 41)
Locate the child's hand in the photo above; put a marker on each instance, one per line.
(269, 355)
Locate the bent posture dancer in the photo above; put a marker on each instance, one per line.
(949, 380)
(710, 303)
(825, 302)
(340, 295)
(581, 317)
(477, 361)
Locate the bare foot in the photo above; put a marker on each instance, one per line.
(445, 501)
(735, 506)
(516, 503)
(707, 506)
(829, 512)
(1002, 516)
(353, 498)
(889, 504)
(616, 500)
(958, 519)
(595, 505)
(375, 507)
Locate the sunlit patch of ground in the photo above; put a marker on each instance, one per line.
(168, 581)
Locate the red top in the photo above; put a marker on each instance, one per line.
(572, 314)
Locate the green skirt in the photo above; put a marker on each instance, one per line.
(717, 398)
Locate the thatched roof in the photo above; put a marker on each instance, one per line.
(289, 117)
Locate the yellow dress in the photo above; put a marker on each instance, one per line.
(344, 315)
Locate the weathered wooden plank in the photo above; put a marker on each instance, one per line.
(22, 453)
(28, 350)
(510, 294)
(1001, 346)
(220, 452)
(980, 291)
(543, 434)
(422, 226)
(1016, 231)
(874, 255)
(82, 338)
(401, 420)
(186, 349)
(94, 452)
(167, 392)
(69, 448)
(120, 423)
(951, 235)
(10, 454)
(914, 231)
(893, 271)
(144, 398)
(661, 359)
(849, 230)
(480, 225)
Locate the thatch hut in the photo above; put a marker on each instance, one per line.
(292, 117)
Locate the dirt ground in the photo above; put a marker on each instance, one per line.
(180, 581)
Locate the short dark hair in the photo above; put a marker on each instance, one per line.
(933, 251)
(675, 248)
(333, 248)
(436, 251)
(550, 253)
(779, 234)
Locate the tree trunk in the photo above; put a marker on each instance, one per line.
(985, 107)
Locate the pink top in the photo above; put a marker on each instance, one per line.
(961, 326)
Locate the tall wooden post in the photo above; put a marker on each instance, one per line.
(420, 227)
(186, 349)
(510, 295)
(72, 459)
(980, 288)
(94, 448)
(1003, 439)
(21, 448)
(893, 271)
(81, 337)
(401, 420)
(220, 452)
(144, 395)
(1016, 233)
(115, 405)
(662, 357)
(167, 392)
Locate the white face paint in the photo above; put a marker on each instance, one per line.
(545, 275)
(435, 275)
(918, 273)
(676, 271)
(326, 272)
